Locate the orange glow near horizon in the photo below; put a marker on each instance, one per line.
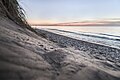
(41, 22)
(82, 22)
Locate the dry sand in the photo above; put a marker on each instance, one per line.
(27, 56)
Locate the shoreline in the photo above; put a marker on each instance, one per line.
(110, 52)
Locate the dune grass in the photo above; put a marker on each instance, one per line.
(15, 12)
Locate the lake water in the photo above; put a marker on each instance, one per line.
(113, 30)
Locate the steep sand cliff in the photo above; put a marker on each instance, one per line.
(26, 56)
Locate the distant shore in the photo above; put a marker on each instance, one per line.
(70, 25)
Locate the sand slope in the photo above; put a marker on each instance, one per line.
(27, 56)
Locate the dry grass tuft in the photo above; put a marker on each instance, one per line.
(15, 12)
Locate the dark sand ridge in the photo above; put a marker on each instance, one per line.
(26, 56)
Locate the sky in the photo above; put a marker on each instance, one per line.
(60, 11)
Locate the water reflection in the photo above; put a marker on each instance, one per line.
(113, 30)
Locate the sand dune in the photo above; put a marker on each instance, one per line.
(25, 55)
